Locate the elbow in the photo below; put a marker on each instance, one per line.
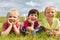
(2, 33)
(18, 33)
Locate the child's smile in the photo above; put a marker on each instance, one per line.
(50, 13)
(33, 17)
(12, 18)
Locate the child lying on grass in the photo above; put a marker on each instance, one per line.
(12, 23)
(51, 23)
(32, 24)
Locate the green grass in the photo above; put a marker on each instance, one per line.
(39, 36)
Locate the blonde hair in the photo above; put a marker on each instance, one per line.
(14, 11)
(50, 7)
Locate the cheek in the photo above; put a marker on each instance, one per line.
(10, 20)
(36, 17)
(54, 14)
(16, 19)
(29, 17)
(46, 15)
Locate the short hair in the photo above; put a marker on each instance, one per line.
(50, 7)
(33, 11)
(13, 10)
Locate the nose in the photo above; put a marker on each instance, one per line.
(12, 18)
(50, 13)
(33, 16)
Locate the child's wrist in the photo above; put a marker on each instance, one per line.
(10, 25)
(32, 24)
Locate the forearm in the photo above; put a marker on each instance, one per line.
(30, 29)
(55, 32)
(58, 32)
(16, 30)
(6, 32)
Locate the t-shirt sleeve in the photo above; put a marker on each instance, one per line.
(18, 24)
(25, 24)
(4, 26)
(58, 22)
(37, 24)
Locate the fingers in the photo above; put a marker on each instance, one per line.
(9, 22)
(30, 20)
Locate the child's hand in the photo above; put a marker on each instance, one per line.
(53, 32)
(31, 22)
(10, 23)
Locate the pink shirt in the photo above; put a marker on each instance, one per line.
(6, 25)
(26, 24)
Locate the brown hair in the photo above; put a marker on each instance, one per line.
(33, 11)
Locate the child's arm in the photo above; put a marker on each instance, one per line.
(55, 31)
(30, 28)
(16, 30)
(58, 31)
(6, 31)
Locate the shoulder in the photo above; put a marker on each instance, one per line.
(5, 23)
(56, 19)
(37, 22)
(18, 23)
(26, 22)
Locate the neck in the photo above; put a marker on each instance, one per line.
(50, 21)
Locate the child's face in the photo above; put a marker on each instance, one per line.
(12, 17)
(50, 12)
(33, 16)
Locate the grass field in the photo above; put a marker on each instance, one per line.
(39, 36)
